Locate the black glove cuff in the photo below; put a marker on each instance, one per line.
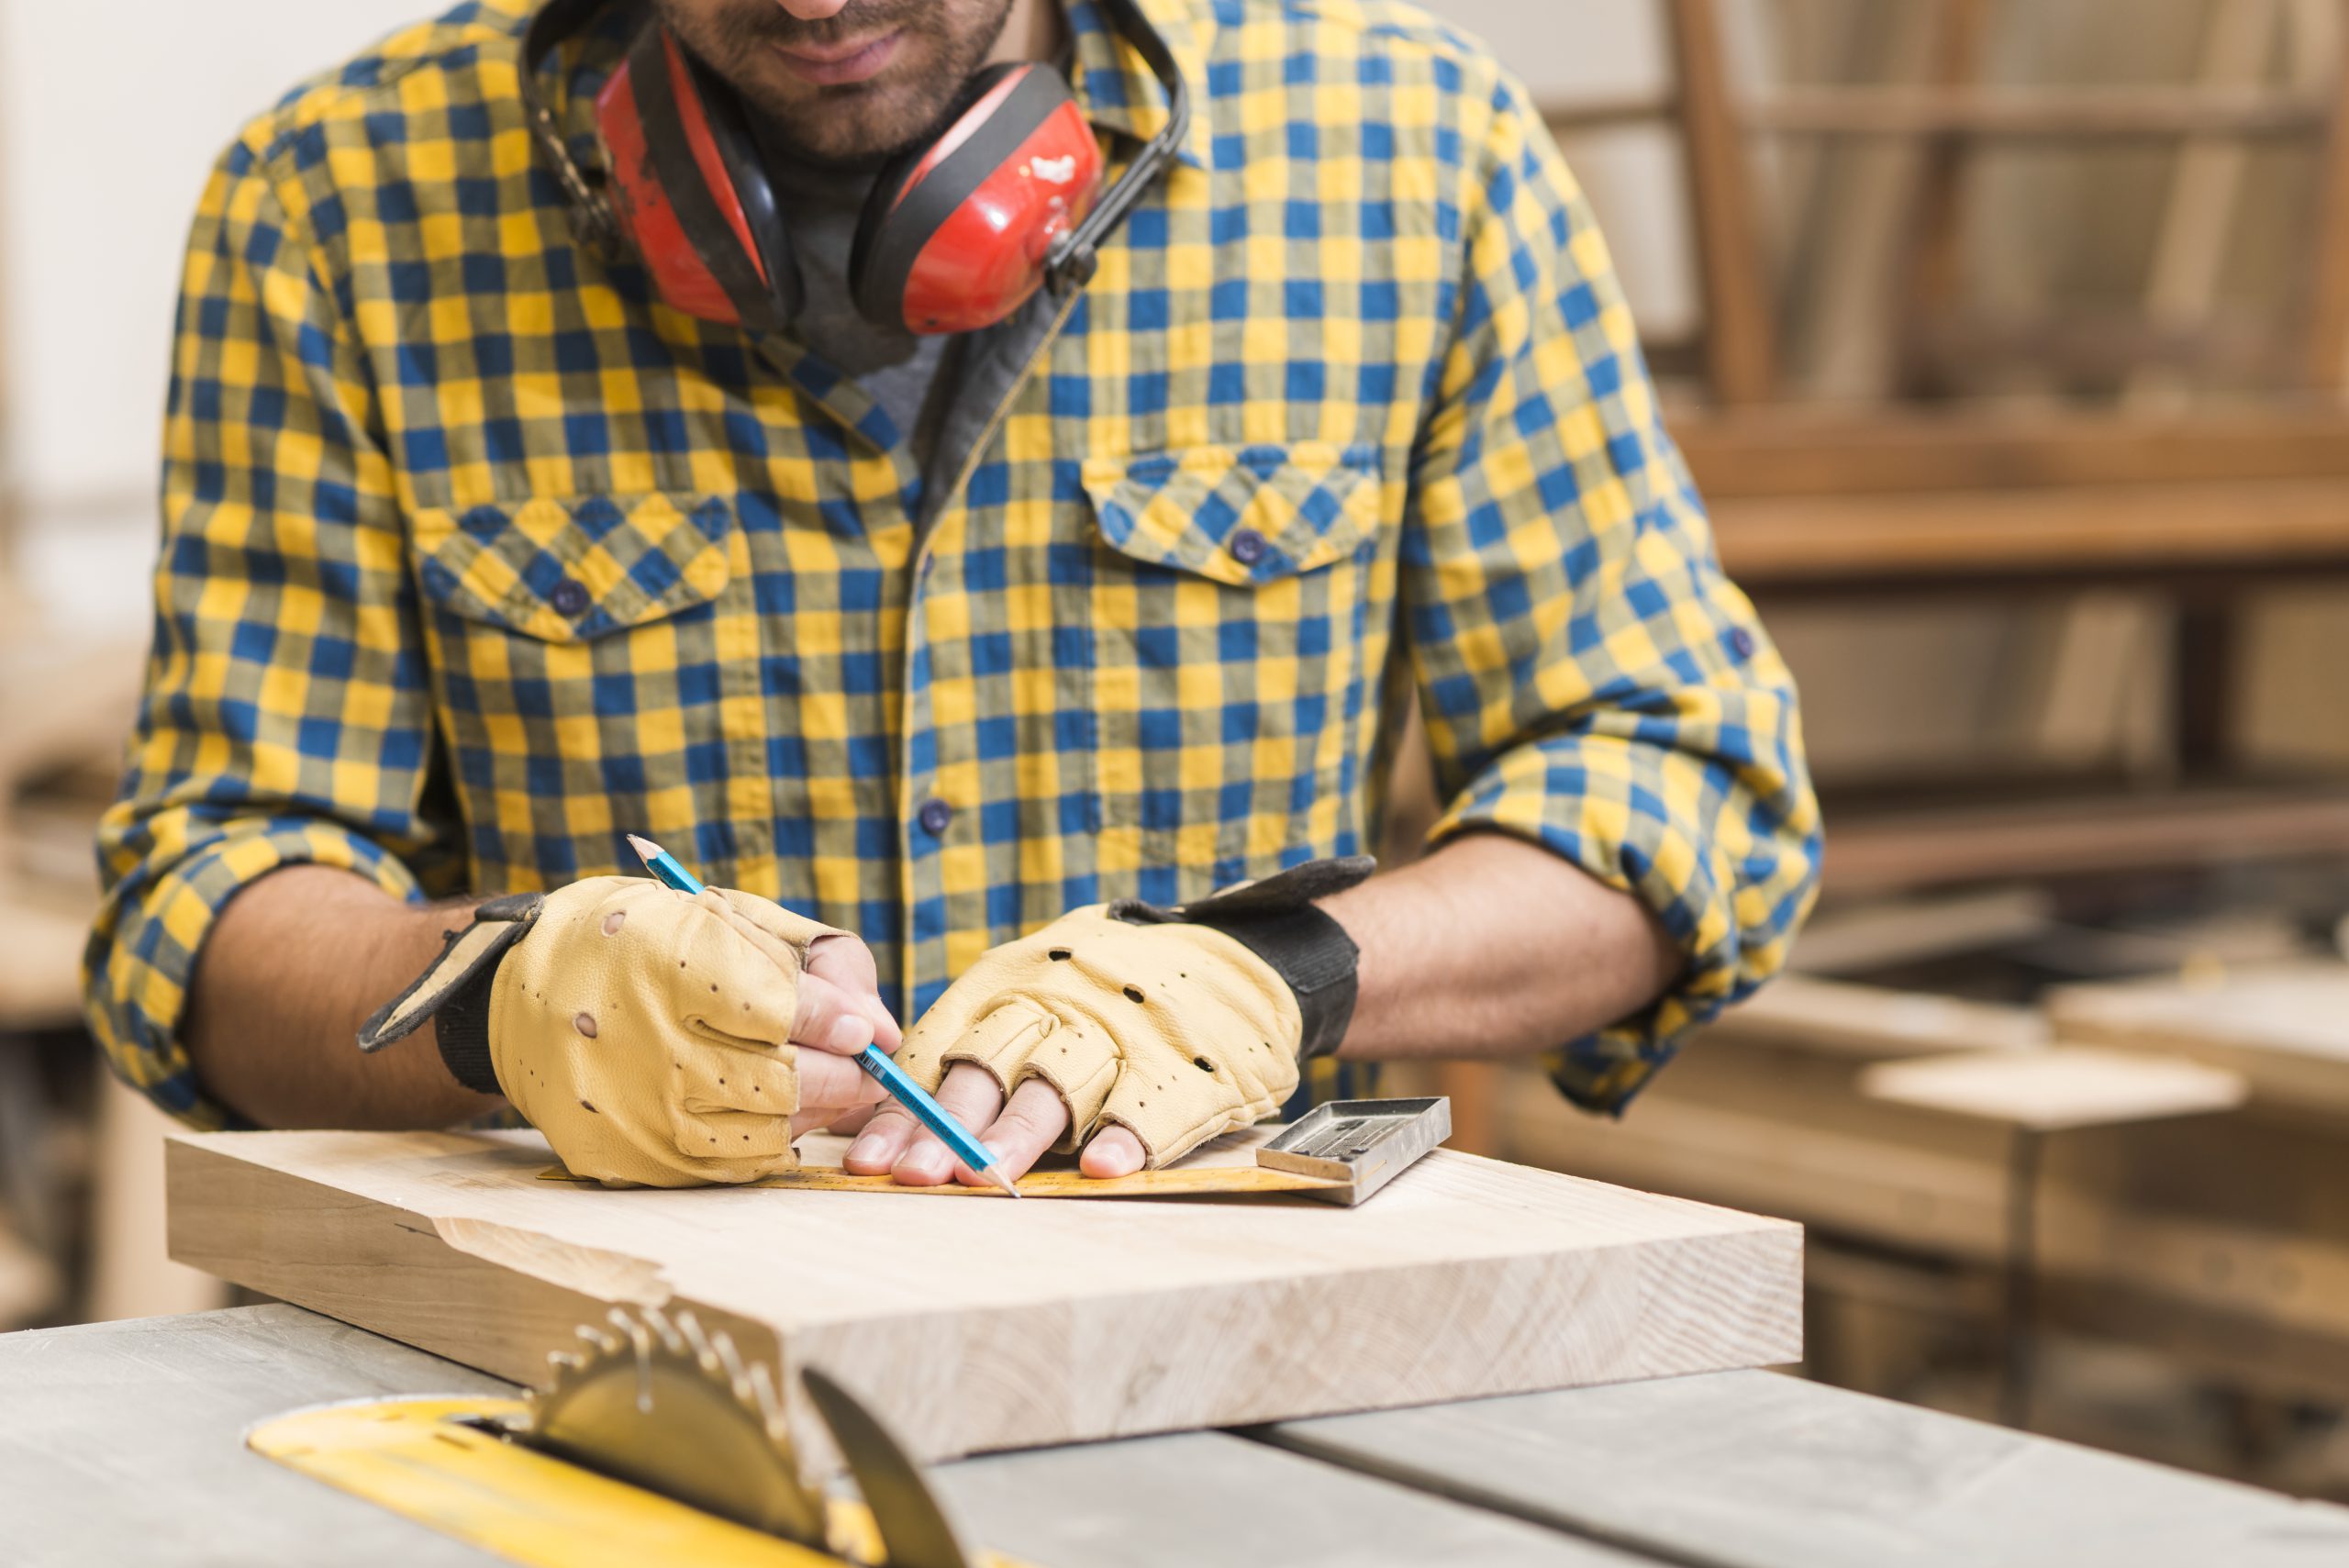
(455, 991)
(1312, 952)
(1275, 919)
(461, 1025)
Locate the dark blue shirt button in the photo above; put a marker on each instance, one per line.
(1248, 547)
(570, 597)
(935, 815)
(1741, 643)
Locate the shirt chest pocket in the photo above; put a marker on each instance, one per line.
(1243, 516)
(578, 667)
(1239, 631)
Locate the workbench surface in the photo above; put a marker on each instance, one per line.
(124, 1442)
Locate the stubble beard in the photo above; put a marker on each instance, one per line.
(855, 124)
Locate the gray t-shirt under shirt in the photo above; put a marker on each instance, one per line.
(940, 391)
(898, 370)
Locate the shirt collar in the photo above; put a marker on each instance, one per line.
(1115, 86)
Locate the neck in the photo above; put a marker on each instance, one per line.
(1034, 30)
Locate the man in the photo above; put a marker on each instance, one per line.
(479, 555)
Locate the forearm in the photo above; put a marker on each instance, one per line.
(1494, 947)
(295, 964)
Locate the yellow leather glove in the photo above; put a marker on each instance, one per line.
(643, 1030)
(1155, 1019)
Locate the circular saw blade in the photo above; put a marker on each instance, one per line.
(661, 1403)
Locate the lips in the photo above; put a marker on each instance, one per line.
(855, 62)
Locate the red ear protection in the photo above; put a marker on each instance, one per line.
(690, 191)
(956, 235)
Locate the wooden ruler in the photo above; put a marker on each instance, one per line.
(1182, 1181)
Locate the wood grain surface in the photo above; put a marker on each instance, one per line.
(983, 1326)
(2058, 1089)
(1751, 1471)
(2284, 1026)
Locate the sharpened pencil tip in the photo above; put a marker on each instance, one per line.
(645, 847)
(995, 1173)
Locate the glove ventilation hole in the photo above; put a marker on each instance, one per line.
(1059, 955)
(1203, 1064)
(1134, 994)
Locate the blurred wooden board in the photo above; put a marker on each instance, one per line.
(979, 1326)
(2284, 1026)
(2221, 1240)
(1886, 852)
(1844, 1018)
(2105, 530)
(2056, 1089)
(42, 931)
(1793, 452)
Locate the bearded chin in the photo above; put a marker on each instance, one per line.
(850, 128)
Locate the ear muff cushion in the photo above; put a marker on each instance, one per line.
(714, 240)
(738, 150)
(898, 221)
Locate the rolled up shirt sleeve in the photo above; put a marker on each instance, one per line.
(285, 717)
(1591, 682)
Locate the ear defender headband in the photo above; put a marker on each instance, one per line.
(957, 234)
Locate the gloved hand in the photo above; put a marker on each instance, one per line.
(647, 1032)
(1178, 1025)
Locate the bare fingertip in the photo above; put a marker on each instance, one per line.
(1108, 1157)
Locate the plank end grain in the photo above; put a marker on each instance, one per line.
(977, 1326)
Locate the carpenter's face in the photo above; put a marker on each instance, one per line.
(846, 80)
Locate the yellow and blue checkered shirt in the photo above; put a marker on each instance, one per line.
(476, 557)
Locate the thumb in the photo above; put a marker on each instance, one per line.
(831, 1019)
(847, 964)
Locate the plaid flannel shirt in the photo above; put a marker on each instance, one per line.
(475, 557)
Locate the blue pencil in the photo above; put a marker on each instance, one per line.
(873, 1059)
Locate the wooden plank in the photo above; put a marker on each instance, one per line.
(1740, 348)
(1209, 1497)
(2284, 1026)
(2039, 113)
(1581, 116)
(2058, 1089)
(2106, 530)
(43, 931)
(1757, 452)
(1931, 282)
(1896, 852)
(2198, 223)
(2327, 285)
(1755, 1471)
(1869, 1022)
(987, 1325)
(2237, 1224)
(1857, 938)
(126, 1445)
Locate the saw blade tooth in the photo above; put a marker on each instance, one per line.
(770, 1404)
(665, 1330)
(721, 1346)
(697, 1343)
